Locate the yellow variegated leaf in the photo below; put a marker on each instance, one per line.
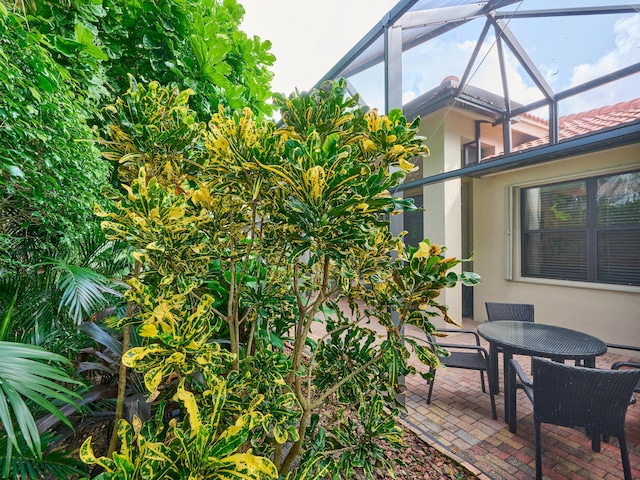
(174, 213)
(125, 436)
(257, 400)
(130, 194)
(139, 256)
(155, 246)
(407, 166)
(137, 424)
(163, 311)
(279, 433)
(148, 330)
(131, 356)
(153, 378)
(201, 359)
(258, 464)
(189, 401)
(176, 358)
(154, 213)
(201, 195)
(218, 392)
(87, 456)
(423, 250)
(86, 452)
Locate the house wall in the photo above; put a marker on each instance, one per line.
(442, 201)
(610, 312)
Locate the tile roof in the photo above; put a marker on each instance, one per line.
(588, 122)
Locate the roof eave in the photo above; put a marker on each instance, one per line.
(602, 140)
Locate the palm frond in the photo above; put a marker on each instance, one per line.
(54, 463)
(101, 336)
(83, 290)
(107, 257)
(27, 374)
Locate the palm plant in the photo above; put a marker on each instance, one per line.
(53, 464)
(42, 301)
(29, 380)
(54, 294)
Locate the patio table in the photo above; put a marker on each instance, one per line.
(536, 340)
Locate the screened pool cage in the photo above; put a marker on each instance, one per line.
(502, 61)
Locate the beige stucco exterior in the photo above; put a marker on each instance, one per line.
(610, 312)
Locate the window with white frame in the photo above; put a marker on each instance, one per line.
(585, 230)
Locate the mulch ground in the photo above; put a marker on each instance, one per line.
(422, 461)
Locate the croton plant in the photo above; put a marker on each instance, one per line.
(262, 252)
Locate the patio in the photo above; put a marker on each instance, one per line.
(459, 420)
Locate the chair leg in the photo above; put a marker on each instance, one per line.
(538, 451)
(596, 438)
(493, 401)
(484, 390)
(626, 465)
(433, 372)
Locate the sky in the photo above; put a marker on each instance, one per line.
(310, 37)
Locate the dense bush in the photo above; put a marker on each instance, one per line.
(60, 61)
(246, 238)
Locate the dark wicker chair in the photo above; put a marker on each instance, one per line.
(469, 357)
(519, 312)
(625, 365)
(572, 396)
(509, 311)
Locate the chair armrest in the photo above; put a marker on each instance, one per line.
(634, 365)
(525, 383)
(477, 348)
(463, 331)
(617, 365)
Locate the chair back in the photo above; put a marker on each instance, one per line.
(509, 311)
(592, 398)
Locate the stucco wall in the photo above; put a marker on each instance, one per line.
(609, 312)
(442, 201)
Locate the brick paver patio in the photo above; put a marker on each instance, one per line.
(459, 419)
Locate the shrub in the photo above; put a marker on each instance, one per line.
(247, 238)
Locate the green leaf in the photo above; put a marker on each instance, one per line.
(83, 35)
(24, 374)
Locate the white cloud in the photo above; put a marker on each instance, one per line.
(627, 52)
(627, 41)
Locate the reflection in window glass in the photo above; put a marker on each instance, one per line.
(583, 230)
(413, 222)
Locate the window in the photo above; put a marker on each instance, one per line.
(470, 152)
(413, 221)
(586, 230)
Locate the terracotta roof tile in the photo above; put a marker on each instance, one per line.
(589, 122)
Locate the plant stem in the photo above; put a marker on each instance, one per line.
(122, 385)
(122, 373)
(296, 447)
(320, 400)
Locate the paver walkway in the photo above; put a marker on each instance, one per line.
(459, 419)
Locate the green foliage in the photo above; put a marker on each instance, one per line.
(51, 297)
(58, 61)
(48, 175)
(191, 448)
(26, 376)
(248, 236)
(63, 60)
(53, 463)
(195, 44)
